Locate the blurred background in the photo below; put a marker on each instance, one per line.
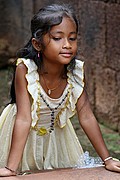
(98, 46)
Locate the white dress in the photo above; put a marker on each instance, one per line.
(47, 147)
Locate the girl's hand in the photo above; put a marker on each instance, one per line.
(5, 172)
(112, 165)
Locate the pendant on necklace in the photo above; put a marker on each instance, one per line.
(49, 91)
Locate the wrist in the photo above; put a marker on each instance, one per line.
(11, 170)
(109, 159)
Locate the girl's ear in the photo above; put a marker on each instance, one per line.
(36, 44)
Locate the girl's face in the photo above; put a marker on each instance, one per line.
(61, 43)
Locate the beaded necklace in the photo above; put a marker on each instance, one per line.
(42, 130)
(53, 110)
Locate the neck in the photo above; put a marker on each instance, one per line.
(53, 78)
(53, 71)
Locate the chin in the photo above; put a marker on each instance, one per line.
(66, 61)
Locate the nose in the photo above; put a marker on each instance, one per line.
(66, 44)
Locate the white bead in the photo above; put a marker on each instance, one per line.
(49, 91)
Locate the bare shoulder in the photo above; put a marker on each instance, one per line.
(82, 101)
(21, 71)
(22, 94)
(21, 68)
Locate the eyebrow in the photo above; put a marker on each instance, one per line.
(60, 32)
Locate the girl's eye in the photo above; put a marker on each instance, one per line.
(56, 38)
(72, 39)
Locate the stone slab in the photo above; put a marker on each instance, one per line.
(99, 173)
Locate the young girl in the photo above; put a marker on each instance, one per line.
(48, 89)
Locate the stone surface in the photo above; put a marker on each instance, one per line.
(70, 174)
(14, 27)
(92, 31)
(113, 36)
(100, 45)
(106, 92)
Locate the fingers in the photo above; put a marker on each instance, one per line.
(115, 166)
(118, 169)
(5, 173)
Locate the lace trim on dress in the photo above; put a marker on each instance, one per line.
(32, 79)
(76, 81)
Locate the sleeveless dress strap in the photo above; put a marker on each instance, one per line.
(76, 82)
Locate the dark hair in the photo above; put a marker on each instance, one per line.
(41, 23)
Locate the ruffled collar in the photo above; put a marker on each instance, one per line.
(75, 86)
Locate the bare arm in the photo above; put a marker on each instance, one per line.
(92, 130)
(23, 118)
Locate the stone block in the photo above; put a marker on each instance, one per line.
(70, 174)
(106, 96)
(15, 19)
(113, 36)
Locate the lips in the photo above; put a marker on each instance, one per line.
(66, 54)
